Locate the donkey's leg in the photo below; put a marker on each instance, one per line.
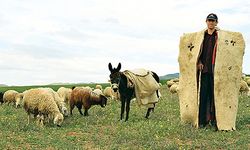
(127, 109)
(149, 110)
(148, 113)
(122, 107)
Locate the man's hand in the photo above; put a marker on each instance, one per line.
(200, 66)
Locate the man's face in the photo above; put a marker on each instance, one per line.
(211, 24)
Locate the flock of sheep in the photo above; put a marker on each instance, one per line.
(173, 86)
(47, 105)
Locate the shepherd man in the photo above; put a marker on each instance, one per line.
(210, 63)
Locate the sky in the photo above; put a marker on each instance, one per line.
(72, 41)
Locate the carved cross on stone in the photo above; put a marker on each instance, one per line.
(190, 46)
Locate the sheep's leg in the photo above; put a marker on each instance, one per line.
(86, 112)
(41, 122)
(80, 109)
(71, 108)
(127, 109)
(28, 118)
(122, 108)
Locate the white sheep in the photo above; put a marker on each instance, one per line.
(175, 80)
(98, 86)
(174, 88)
(248, 82)
(59, 101)
(10, 97)
(109, 92)
(64, 93)
(41, 103)
(244, 89)
(19, 99)
(97, 91)
(170, 83)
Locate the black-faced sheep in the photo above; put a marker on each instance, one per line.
(84, 97)
(40, 102)
(109, 92)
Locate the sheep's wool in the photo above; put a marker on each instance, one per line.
(227, 75)
(145, 86)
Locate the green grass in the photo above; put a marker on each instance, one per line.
(103, 129)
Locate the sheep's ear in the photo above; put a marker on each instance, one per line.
(119, 67)
(110, 67)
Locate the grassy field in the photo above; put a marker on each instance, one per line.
(103, 129)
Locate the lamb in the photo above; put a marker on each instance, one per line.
(244, 89)
(86, 98)
(97, 91)
(64, 93)
(109, 92)
(10, 97)
(98, 87)
(1, 97)
(41, 103)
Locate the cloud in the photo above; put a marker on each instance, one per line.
(73, 41)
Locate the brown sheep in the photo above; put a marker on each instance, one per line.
(86, 98)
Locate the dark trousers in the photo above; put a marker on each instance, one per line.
(207, 107)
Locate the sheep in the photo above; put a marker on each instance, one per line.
(1, 97)
(109, 92)
(88, 87)
(10, 97)
(248, 82)
(174, 88)
(97, 91)
(244, 89)
(170, 83)
(41, 103)
(19, 99)
(64, 93)
(98, 87)
(86, 98)
(175, 80)
(59, 101)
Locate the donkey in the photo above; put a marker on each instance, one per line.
(119, 82)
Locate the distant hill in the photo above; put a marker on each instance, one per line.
(3, 85)
(169, 76)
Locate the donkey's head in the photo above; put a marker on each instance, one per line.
(115, 76)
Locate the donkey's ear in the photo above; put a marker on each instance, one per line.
(110, 67)
(119, 67)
